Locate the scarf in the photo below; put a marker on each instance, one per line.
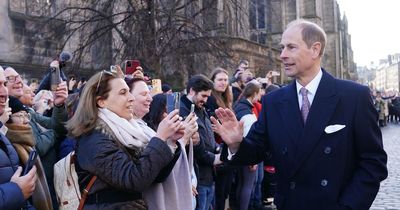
(176, 191)
(21, 137)
(128, 132)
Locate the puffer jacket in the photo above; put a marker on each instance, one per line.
(122, 173)
(22, 139)
(243, 107)
(11, 196)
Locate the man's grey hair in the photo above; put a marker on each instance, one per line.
(311, 33)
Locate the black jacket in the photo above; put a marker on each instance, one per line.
(203, 152)
(122, 173)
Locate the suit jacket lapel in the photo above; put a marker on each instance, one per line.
(290, 113)
(321, 110)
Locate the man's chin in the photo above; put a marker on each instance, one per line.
(290, 73)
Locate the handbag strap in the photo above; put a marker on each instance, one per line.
(85, 192)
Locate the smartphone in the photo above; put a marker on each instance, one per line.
(173, 101)
(192, 108)
(131, 65)
(55, 78)
(30, 163)
(156, 84)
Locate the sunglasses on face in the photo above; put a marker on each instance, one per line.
(111, 72)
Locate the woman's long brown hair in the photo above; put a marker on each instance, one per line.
(225, 98)
(86, 115)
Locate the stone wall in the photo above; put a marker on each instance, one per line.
(25, 44)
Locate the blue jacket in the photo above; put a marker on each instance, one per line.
(317, 169)
(11, 195)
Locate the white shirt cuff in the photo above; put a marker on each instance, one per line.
(230, 154)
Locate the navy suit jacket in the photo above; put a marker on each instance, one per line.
(317, 170)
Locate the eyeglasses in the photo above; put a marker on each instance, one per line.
(23, 116)
(112, 72)
(12, 79)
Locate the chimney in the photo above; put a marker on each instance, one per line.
(390, 59)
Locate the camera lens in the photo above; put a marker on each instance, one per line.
(128, 64)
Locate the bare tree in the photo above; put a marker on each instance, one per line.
(102, 32)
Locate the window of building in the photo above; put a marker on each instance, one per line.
(257, 14)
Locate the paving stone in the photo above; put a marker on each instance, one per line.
(388, 197)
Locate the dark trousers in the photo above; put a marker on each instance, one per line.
(223, 184)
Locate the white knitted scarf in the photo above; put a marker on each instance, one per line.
(128, 132)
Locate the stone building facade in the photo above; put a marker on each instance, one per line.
(338, 58)
(248, 29)
(387, 74)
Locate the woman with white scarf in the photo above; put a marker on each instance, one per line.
(176, 191)
(113, 147)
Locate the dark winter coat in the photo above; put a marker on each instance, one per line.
(11, 196)
(203, 152)
(122, 173)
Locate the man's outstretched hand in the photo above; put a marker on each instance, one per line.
(228, 127)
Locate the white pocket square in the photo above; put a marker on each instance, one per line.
(333, 128)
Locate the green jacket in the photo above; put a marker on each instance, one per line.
(48, 132)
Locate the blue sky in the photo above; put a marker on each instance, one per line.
(374, 27)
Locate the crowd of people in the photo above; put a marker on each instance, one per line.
(387, 104)
(211, 152)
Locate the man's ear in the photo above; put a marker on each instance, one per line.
(316, 48)
(100, 102)
(192, 92)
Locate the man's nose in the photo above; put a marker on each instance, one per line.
(283, 53)
(131, 97)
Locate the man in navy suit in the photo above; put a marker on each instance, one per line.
(321, 131)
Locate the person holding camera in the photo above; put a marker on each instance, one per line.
(199, 88)
(112, 146)
(175, 192)
(47, 131)
(20, 135)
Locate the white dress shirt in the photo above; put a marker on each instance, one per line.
(311, 89)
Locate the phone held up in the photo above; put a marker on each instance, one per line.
(31, 162)
(55, 78)
(131, 65)
(173, 101)
(192, 108)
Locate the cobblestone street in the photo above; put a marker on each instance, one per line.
(389, 193)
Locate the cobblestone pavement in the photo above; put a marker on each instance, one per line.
(389, 193)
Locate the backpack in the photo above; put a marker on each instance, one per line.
(66, 184)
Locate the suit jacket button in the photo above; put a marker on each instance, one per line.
(284, 151)
(292, 185)
(324, 183)
(327, 150)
